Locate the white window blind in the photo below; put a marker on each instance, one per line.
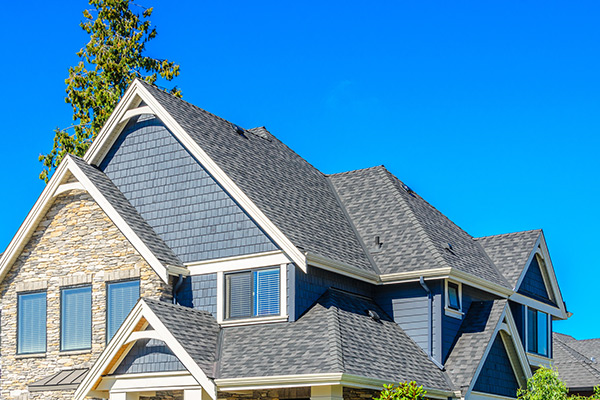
(266, 292)
(76, 318)
(31, 323)
(122, 296)
(239, 295)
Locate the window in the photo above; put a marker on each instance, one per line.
(252, 293)
(537, 332)
(76, 318)
(121, 297)
(453, 298)
(31, 323)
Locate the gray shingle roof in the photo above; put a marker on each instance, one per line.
(473, 338)
(62, 380)
(197, 331)
(577, 361)
(413, 232)
(141, 228)
(510, 252)
(335, 335)
(294, 195)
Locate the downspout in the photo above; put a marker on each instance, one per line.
(430, 323)
(177, 287)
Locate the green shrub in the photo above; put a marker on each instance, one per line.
(404, 391)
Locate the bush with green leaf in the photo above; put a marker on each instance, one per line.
(404, 391)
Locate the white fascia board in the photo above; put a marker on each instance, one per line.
(151, 382)
(341, 268)
(112, 128)
(480, 283)
(131, 236)
(516, 341)
(327, 379)
(401, 277)
(538, 305)
(37, 212)
(177, 349)
(249, 261)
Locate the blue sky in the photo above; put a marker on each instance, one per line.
(489, 110)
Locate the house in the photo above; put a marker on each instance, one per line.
(185, 257)
(577, 363)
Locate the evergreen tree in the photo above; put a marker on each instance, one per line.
(110, 61)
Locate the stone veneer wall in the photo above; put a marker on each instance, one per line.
(75, 243)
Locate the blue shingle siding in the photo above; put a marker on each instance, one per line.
(533, 282)
(310, 286)
(407, 304)
(199, 292)
(177, 197)
(518, 312)
(497, 375)
(149, 355)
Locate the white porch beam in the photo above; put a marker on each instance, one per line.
(330, 392)
(195, 394)
(123, 396)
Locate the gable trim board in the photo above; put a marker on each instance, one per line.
(45, 201)
(506, 324)
(550, 281)
(112, 129)
(120, 345)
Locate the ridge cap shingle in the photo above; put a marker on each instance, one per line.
(509, 234)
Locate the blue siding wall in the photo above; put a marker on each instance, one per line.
(533, 282)
(497, 375)
(178, 198)
(518, 312)
(149, 355)
(407, 304)
(199, 292)
(310, 286)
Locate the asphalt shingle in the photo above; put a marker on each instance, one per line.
(577, 361)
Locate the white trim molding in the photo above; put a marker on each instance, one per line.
(536, 360)
(109, 133)
(97, 381)
(249, 261)
(449, 311)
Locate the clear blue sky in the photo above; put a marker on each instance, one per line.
(489, 110)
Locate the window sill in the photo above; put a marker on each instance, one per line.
(253, 321)
(74, 352)
(34, 355)
(450, 312)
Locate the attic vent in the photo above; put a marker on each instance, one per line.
(374, 316)
(239, 130)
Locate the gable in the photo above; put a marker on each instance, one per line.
(533, 282)
(149, 355)
(186, 207)
(497, 375)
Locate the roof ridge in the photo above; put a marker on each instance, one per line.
(508, 234)
(415, 221)
(357, 170)
(335, 334)
(571, 350)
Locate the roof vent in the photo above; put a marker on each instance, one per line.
(377, 245)
(239, 130)
(374, 316)
(593, 359)
(447, 246)
(408, 190)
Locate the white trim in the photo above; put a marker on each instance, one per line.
(341, 268)
(150, 382)
(237, 263)
(95, 154)
(400, 277)
(220, 297)
(487, 396)
(449, 311)
(287, 381)
(141, 310)
(283, 290)
(65, 187)
(480, 283)
(140, 335)
(46, 200)
(135, 112)
(507, 323)
(254, 320)
(536, 304)
(535, 360)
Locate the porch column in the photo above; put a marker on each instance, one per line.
(333, 392)
(195, 394)
(123, 396)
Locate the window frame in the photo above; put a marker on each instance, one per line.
(62, 289)
(547, 330)
(448, 310)
(253, 295)
(18, 328)
(106, 305)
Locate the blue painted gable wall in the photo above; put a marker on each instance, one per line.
(497, 375)
(177, 197)
(533, 282)
(149, 355)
